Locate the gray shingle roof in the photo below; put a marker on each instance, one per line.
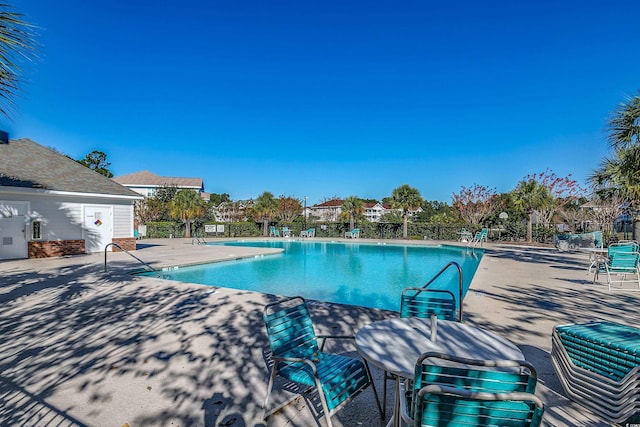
(24, 163)
(146, 178)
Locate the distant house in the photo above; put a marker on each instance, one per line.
(147, 183)
(328, 211)
(373, 211)
(51, 205)
(233, 211)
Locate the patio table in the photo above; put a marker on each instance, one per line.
(596, 256)
(394, 345)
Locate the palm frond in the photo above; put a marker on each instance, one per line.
(17, 46)
(624, 125)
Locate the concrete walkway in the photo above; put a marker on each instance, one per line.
(81, 347)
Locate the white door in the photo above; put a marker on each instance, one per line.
(97, 228)
(13, 238)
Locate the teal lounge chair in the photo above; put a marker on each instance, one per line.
(286, 232)
(297, 357)
(273, 232)
(309, 232)
(449, 391)
(621, 266)
(353, 234)
(465, 236)
(481, 236)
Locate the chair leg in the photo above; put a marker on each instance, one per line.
(272, 378)
(373, 388)
(384, 393)
(323, 401)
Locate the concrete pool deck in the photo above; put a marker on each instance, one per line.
(83, 347)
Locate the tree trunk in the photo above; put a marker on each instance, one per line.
(265, 226)
(404, 225)
(351, 224)
(187, 232)
(530, 227)
(636, 228)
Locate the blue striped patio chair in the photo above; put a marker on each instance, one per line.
(621, 266)
(449, 391)
(297, 357)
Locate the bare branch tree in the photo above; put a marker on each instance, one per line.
(476, 203)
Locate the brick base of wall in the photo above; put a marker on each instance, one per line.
(55, 248)
(127, 243)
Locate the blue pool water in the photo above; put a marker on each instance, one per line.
(364, 274)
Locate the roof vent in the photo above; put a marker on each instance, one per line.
(4, 137)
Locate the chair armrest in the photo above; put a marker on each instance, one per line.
(324, 338)
(297, 360)
(436, 389)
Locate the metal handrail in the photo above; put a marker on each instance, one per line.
(460, 285)
(128, 253)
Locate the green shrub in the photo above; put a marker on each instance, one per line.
(164, 229)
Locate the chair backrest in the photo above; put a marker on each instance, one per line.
(597, 239)
(290, 329)
(623, 256)
(472, 377)
(311, 232)
(453, 406)
(424, 302)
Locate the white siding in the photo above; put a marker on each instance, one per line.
(123, 220)
(61, 216)
(60, 221)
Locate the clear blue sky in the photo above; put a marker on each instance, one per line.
(324, 98)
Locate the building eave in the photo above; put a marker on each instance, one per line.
(39, 191)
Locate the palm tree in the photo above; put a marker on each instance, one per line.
(17, 44)
(620, 173)
(265, 207)
(187, 205)
(624, 125)
(354, 206)
(530, 195)
(405, 198)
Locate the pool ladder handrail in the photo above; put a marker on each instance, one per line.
(130, 254)
(460, 283)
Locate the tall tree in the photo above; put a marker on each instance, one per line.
(620, 173)
(404, 198)
(17, 44)
(353, 206)
(624, 124)
(187, 205)
(265, 208)
(563, 192)
(476, 203)
(438, 212)
(149, 209)
(289, 208)
(97, 162)
(216, 199)
(530, 195)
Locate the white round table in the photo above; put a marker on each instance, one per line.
(394, 345)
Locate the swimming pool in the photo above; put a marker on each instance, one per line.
(364, 274)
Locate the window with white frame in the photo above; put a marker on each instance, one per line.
(36, 230)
